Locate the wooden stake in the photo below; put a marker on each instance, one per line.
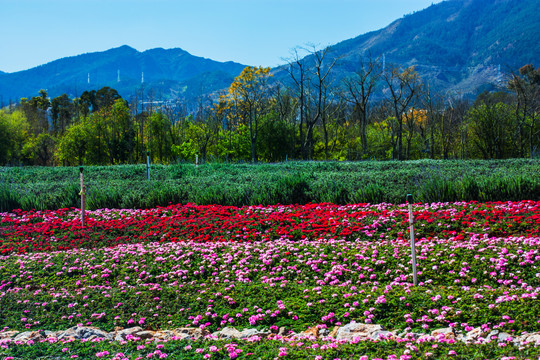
(413, 248)
(82, 197)
(148, 165)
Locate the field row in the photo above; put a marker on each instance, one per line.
(271, 267)
(283, 183)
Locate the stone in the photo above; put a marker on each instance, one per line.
(357, 330)
(334, 331)
(533, 338)
(504, 336)
(83, 332)
(493, 335)
(145, 334)
(311, 332)
(247, 333)
(382, 334)
(227, 333)
(8, 334)
(473, 335)
(231, 333)
(52, 334)
(28, 335)
(447, 333)
(124, 334)
(190, 333)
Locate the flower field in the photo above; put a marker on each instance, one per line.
(282, 269)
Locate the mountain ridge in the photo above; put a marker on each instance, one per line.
(123, 68)
(457, 46)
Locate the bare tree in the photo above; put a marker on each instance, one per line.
(359, 89)
(526, 85)
(403, 86)
(297, 71)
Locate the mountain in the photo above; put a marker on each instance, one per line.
(459, 46)
(167, 73)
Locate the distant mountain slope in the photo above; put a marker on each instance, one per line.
(169, 73)
(456, 45)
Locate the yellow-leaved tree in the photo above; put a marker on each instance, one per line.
(249, 99)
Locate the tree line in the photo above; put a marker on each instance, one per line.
(381, 112)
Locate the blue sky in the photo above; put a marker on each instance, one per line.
(252, 32)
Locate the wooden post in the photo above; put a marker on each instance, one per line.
(413, 248)
(82, 197)
(197, 159)
(148, 165)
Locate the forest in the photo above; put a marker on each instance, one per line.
(383, 112)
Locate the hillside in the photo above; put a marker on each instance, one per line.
(169, 73)
(457, 46)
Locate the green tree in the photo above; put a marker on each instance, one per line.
(72, 145)
(159, 139)
(62, 113)
(14, 129)
(490, 126)
(35, 111)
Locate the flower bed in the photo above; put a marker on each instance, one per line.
(273, 267)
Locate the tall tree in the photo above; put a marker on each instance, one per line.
(249, 94)
(62, 113)
(403, 87)
(298, 71)
(319, 85)
(526, 86)
(359, 89)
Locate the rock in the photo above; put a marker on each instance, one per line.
(334, 331)
(125, 333)
(231, 333)
(382, 334)
(447, 333)
(410, 335)
(357, 330)
(312, 331)
(227, 333)
(473, 335)
(533, 338)
(8, 334)
(83, 332)
(28, 335)
(189, 333)
(52, 334)
(247, 333)
(492, 335)
(282, 331)
(146, 334)
(504, 336)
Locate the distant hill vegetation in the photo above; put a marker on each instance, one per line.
(458, 46)
(166, 73)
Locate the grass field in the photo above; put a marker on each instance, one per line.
(283, 183)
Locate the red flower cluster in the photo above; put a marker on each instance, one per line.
(31, 231)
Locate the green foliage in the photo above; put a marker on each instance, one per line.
(126, 186)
